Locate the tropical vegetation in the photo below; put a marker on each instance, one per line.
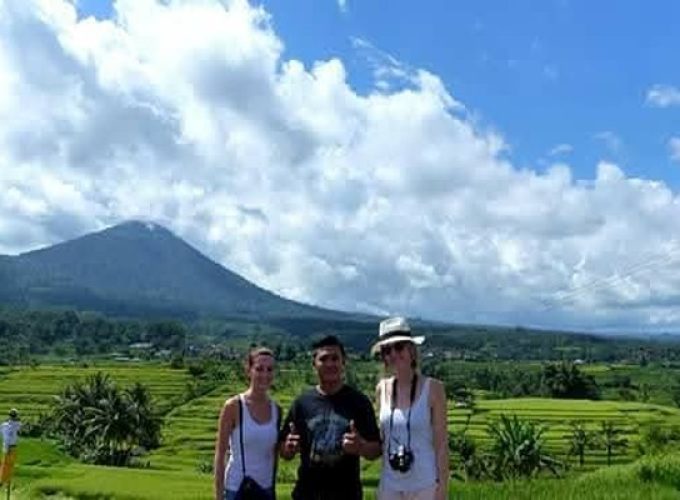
(100, 423)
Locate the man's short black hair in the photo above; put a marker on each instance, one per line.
(328, 341)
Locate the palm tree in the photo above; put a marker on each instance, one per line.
(465, 449)
(65, 420)
(612, 439)
(99, 423)
(581, 440)
(519, 448)
(111, 429)
(460, 443)
(565, 380)
(143, 415)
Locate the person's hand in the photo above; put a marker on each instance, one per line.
(291, 445)
(352, 440)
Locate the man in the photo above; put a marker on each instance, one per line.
(331, 426)
(10, 436)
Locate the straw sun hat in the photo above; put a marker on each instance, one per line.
(393, 330)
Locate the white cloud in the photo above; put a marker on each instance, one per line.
(388, 72)
(674, 148)
(663, 96)
(561, 149)
(611, 141)
(187, 113)
(342, 5)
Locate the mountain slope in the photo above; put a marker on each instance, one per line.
(138, 268)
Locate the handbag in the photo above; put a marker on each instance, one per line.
(249, 489)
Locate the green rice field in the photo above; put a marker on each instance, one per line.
(557, 416)
(179, 469)
(32, 389)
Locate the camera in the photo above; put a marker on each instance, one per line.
(402, 459)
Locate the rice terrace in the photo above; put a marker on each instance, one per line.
(180, 467)
(339, 250)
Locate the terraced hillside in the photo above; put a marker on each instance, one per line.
(557, 415)
(32, 389)
(180, 468)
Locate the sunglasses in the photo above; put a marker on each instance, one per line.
(397, 346)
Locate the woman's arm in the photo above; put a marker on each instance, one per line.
(226, 424)
(441, 437)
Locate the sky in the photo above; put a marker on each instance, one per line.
(511, 163)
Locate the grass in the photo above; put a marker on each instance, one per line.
(177, 470)
(83, 481)
(648, 478)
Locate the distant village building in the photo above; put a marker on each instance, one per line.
(141, 346)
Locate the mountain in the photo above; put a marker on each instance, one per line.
(140, 269)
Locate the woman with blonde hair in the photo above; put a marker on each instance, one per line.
(412, 420)
(248, 431)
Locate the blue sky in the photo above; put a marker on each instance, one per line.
(541, 73)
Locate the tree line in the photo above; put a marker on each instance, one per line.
(562, 380)
(29, 333)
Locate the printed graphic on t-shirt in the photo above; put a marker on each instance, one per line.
(326, 433)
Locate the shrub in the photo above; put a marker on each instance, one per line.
(519, 449)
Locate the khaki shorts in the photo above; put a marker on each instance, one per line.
(7, 468)
(425, 494)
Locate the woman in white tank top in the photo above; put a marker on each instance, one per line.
(259, 427)
(412, 420)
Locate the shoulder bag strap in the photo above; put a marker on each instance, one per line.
(240, 435)
(276, 455)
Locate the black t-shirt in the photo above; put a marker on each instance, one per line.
(325, 471)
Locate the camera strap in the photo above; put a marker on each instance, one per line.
(414, 385)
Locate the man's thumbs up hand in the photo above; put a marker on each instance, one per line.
(291, 445)
(352, 440)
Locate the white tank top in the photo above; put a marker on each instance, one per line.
(423, 471)
(258, 444)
